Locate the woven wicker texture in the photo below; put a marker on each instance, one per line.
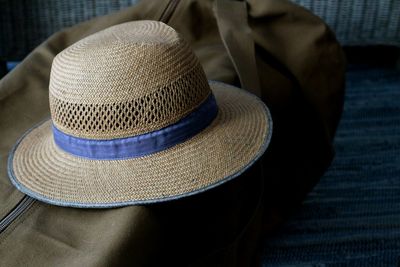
(126, 80)
(25, 25)
(360, 22)
(143, 68)
(351, 218)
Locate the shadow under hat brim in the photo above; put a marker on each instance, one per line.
(235, 139)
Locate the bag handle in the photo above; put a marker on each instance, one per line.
(236, 36)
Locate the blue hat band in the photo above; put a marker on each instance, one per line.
(140, 145)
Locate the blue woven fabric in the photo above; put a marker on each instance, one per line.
(360, 22)
(352, 217)
(143, 144)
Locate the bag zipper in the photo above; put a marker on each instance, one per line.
(166, 15)
(25, 203)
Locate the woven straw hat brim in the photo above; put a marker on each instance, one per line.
(236, 138)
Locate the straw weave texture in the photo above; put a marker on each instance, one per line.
(237, 136)
(131, 79)
(126, 80)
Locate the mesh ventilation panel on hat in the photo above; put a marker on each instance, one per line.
(126, 84)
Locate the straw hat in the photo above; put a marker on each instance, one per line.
(134, 120)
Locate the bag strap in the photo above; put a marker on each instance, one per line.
(236, 36)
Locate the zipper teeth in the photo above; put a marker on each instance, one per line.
(23, 205)
(168, 11)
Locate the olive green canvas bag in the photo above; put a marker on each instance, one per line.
(273, 48)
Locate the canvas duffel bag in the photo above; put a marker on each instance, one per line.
(273, 48)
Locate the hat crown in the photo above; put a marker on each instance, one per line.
(127, 80)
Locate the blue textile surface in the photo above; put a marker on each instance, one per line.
(352, 217)
(143, 144)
